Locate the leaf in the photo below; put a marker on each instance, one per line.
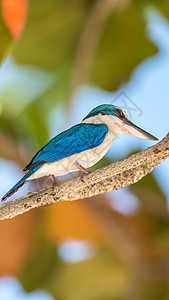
(5, 39)
(122, 47)
(14, 13)
(52, 33)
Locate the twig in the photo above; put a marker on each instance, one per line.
(113, 177)
(90, 38)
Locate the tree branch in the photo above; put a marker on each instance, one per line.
(113, 177)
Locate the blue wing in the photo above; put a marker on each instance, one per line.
(72, 141)
(20, 183)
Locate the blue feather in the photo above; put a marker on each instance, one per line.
(20, 183)
(72, 141)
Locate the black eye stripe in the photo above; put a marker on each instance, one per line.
(102, 113)
(119, 113)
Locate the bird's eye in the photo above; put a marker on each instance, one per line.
(119, 113)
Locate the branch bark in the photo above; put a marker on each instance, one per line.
(113, 177)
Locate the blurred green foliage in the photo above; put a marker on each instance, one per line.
(6, 39)
(132, 259)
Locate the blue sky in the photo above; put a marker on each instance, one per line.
(10, 289)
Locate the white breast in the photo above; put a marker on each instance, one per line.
(86, 158)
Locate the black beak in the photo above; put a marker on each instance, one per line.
(137, 131)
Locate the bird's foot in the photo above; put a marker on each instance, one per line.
(82, 176)
(54, 182)
(85, 171)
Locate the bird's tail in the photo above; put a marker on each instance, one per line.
(17, 186)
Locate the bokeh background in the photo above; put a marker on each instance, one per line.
(59, 59)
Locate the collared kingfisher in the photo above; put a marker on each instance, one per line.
(81, 146)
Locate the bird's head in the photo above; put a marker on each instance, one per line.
(117, 121)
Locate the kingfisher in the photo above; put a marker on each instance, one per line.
(80, 146)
